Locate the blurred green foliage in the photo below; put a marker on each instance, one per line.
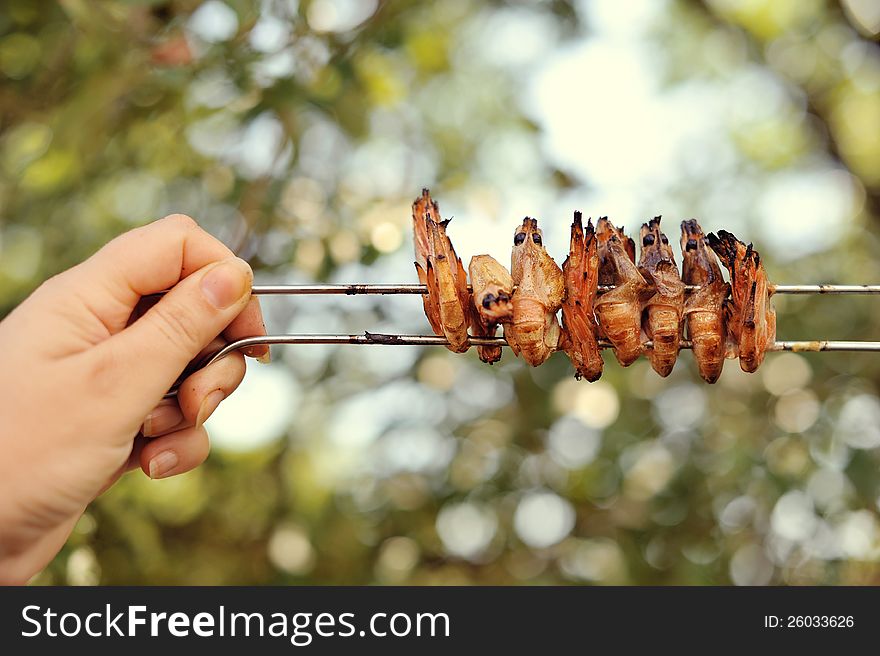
(298, 132)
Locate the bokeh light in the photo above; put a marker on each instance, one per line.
(298, 132)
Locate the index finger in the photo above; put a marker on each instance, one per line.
(151, 259)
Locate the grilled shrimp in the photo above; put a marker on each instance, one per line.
(447, 303)
(492, 291)
(534, 331)
(579, 325)
(619, 310)
(663, 310)
(703, 308)
(749, 316)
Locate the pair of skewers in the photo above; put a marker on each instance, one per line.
(384, 339)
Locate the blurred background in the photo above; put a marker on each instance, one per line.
(300, 132)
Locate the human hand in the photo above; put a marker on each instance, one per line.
(84, 364)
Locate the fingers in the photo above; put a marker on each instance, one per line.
(200, 394)
(187, 446)
(163, 418)
(249, 324)
(159, 345)
(175, 453)
(148, 260)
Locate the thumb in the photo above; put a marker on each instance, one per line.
(160, 344)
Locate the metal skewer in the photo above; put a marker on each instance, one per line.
(803, 346)
(360, 289)
(825, 289)
(384, 339)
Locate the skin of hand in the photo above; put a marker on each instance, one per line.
(84, 364)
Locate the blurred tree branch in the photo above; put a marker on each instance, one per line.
(819, 97)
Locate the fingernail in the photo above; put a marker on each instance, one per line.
(161, 419)
(266, 358)
(257, 352)
(209, 404)
(162, 464)
(227, 282)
